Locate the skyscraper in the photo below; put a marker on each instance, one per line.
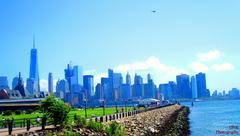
(126, 90)
(105, 87)
(14, 82)
(76, 79)
(73, 75)
(201, 85)
(173, 89)
(194, 87)
(110, 92)
(125, 93)
(4, 82)
(68, 75)
(138, 87)
(117, 84)
(235, 93)
(88, 86)
(20, 86)
(149, 77)
(62, 88)
(138, 79)
(163, 88)
(128, 79)
(31, 87)
(50, 83)
(183, 86)
(77, 75)
(34, 67)
(149, 88)
(99, 92)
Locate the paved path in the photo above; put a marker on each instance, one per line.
(4, 132)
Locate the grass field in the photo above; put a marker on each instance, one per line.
(81, 112)
(18, 119)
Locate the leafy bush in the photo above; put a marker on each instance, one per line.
(68, 125)
(80, 121)
(69, 133)
(95, 126)
(18, 112)
(47, 103)
(50, 133)
(7, 113)
(29, 111)
(56, 110)
(114, 129)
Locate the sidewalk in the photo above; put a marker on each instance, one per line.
(4, 132)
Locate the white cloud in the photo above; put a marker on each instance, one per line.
(54, 84)
(97, 78)
(209, 56)
(89, 72)
(198, 67)
(225, 66)
(159, 72)
(44, 85)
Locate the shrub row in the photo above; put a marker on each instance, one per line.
(113, 129)
(181, 125)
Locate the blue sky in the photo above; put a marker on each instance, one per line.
(180, 37)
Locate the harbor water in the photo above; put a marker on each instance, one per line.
(210, 118)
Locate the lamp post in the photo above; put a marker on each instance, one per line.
(116, 106)
(85, 106)
(125, 102)
(115, 99)
(103, 106)
(133, 104)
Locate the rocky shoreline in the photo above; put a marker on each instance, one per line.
(171, 120)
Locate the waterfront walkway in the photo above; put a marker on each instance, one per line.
(18, 130)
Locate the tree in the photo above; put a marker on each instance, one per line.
(59, 113)
(7, 113)
(47, 103)
(18, 112)
(56, 110)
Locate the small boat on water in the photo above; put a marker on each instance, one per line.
(198, 100)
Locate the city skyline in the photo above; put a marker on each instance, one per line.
(134, 40)
(125, 69)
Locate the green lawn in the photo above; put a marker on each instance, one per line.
(97, 111)
(81, 112)
(18, 119)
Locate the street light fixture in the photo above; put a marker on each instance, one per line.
(103, 105)
(125, 102)
(116, 106)
(85, 106)
(115, 99)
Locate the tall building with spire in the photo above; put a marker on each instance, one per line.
(149, 88)
(34, 74)
(20, 86)
(125, 93)
(128, 79)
